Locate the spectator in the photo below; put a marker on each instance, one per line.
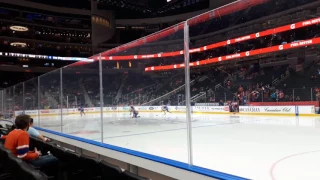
(17, 142)
(274, 96)
(34, 133)
(221, 103)
(281, 95)
(229, 84)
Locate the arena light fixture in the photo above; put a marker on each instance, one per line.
(19, 28)
(20, 44)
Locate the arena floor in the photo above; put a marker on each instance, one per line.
(255, 147)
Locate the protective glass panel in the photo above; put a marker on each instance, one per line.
(8, 103)
(248, 59)
(1, 103)
(81, 111)
(143, 86)
(31, 97)
(18, 98)
(50, 101)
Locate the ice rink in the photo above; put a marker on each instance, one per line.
(254, 147)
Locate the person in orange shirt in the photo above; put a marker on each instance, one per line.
(17, 141)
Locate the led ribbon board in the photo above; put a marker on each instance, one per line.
(240, 55)
(244, 38)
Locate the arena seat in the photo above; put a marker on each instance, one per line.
(109, 171)
(130, 176)
(90, 167)
(4, 169)
(40, 145)
(14, 166)
(28, 172)
(70, 163)
(57, 152)
(76, 166)
(35, 143)
(21, 170)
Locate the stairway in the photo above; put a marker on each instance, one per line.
(85, 95)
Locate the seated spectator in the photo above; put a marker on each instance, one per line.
(35, 133)
(274, 96)
(17, 142)
(221, 103)
(281, 95)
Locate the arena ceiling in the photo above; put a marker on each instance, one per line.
(135, 8)
(152, 4)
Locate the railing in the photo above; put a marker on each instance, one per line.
(168, 94)
(203, 78)
(222, 95)
(281, 79)
(120, 91)
(201, 95)
(217, 86)
(283, 95)
(125, 97)
(195, 97)
(147, 94)
(267, 95)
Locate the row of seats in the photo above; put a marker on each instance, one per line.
(13, 168)
(74, 166)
